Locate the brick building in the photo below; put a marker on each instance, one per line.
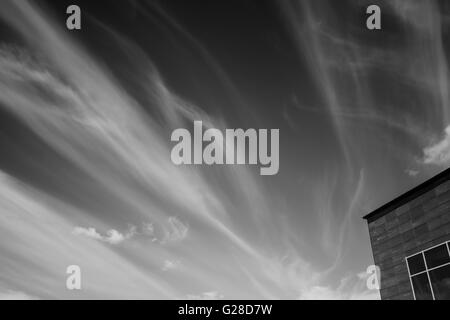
(410, 239)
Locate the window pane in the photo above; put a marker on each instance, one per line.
(440, 280)
(437, 256)
(416, 264)
(421, 287)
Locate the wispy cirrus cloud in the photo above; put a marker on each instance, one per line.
(438, 153)
(112, 236)
(412, 172)
(43, 239)
(15, 295)
(92, 123)
(208, 295)
(170, 265)
(175, 230)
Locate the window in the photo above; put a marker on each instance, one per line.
(437, 256)
(416, 264)
(440, 280)
(422, 287)
(429, 272)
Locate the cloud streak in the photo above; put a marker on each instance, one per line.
(112, 236)
(439, 152)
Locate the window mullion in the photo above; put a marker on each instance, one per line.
(428, 275)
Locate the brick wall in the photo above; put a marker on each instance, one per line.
(415, 226)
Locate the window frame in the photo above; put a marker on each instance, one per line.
(427, 270)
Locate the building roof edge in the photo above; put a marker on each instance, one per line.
(408, 196)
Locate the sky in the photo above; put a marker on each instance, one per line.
(85, 123)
